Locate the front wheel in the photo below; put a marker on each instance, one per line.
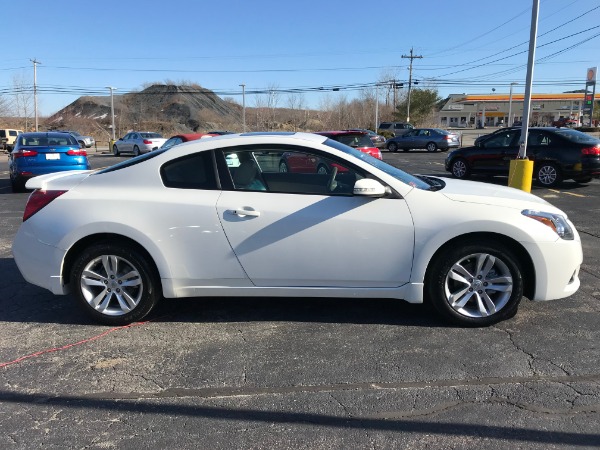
(392, 147)
(283, 167)
(115, 150)
(115, 284)
(460, 169)
(477, 283)
(548, 175)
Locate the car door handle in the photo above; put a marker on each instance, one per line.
(245, 212)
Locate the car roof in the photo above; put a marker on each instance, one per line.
(191, 136)
(45, 133)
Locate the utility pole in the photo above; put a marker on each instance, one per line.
(35, 103)
(112, 112)
(243, 106)
(411, 57)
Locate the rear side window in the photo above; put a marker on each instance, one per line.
(195, 171)
(12, 132)
(151, 135)
(384, 126)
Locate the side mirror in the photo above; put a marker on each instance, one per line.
(368, 187)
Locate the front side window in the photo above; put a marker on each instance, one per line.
(503, 139)
(289, 170)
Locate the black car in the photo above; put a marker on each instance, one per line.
(557, 153)
(484, 137)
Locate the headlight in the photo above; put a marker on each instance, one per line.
(557, 222)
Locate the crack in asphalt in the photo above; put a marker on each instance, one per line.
(246, 391)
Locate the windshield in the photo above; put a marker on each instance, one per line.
(132, 161)
(577, 136)
(400, 175)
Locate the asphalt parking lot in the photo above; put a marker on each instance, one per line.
(296, 373)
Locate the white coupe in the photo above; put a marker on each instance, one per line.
(218, 217)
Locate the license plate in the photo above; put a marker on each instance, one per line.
(52, 155)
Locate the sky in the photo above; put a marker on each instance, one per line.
(320, 51)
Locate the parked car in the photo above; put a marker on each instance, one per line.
(483, 137)
(179, 138)
(564, 122)
(84, 141)
(394, 128)
(377, 139)
(8, 137)
(557, 153)
(138, 142)
(431, 139)
(42, 153)
(182, 223)
(359, 140)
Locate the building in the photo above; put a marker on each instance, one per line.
(492, 110)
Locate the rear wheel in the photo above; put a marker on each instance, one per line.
(477, 283)
(322, 169)
(548, 175)
(283, 167)
(115, 284)
(431, 147)
(136, 150)
(81, 144)
(115, 150)
(17, 185)
(460, 169)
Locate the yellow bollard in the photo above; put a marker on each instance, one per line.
(110, 145)
(520, 174)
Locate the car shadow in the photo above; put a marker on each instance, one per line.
(21, 301)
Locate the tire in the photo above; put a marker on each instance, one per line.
(115, 150)
(548, 175)
(475, 284)
(81, 144)
(115, 284)
(460, 169)
(583, 180)
(431, 147)
(283, 167)
(392, 147)
(136, 151)
(17, 185)
(322, 169)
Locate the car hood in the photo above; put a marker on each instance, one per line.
(494, 195)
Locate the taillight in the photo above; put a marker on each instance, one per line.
(24, 153)
(592, 151)
(37, 200)
(147, 142)
(78, 152)
(447, 138)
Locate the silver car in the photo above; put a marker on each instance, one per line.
(430, 139)
(138, 142)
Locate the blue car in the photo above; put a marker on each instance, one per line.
(41, 153)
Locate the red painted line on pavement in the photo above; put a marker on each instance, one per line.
(65, 347)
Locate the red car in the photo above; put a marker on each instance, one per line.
(179, 138)
(359, 140)
(300, 163)
(564, 122)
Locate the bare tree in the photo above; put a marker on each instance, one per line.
(272, 101)
(295, 102)
(22, 102)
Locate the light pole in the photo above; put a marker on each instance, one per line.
(509, 121)
(112, 111)
(35, 103)
(376, 106)
(243, 106)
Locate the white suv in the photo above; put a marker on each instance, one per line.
(8, 137)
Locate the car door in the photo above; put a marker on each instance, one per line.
(494, 154)
(408, 140)
(297, 232)
(125, 144)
